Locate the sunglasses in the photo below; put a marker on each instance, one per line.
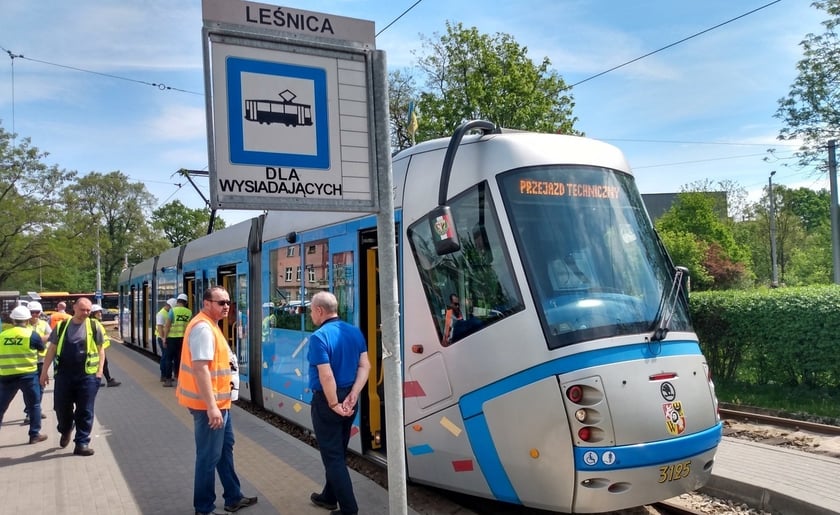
(222, 302)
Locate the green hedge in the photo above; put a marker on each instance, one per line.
(787, 336)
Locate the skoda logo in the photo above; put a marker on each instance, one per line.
(669, 393)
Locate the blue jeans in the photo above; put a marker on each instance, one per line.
(74, 398)
(40, 388)
(333, 434)
(213, 453)
(28, 384)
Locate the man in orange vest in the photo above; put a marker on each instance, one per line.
(204, 386)
(59, 315)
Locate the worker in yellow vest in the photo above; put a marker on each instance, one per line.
(42, 327)
(19, 346)
(77, 347)
(160, 335)
(204, 386)
(96, 315)
(176, 324)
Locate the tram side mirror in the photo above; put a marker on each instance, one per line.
(444, 233)
(482, 244)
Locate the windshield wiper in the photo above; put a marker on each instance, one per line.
(668, 305)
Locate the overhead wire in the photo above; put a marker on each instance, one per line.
(683, 40)
(164, 87)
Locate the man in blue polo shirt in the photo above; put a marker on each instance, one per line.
(338, 370)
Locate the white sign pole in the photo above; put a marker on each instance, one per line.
(389, 300)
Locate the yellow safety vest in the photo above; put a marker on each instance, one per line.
(40, 327)
(92, 361)
(220, 372)
(16, 357)
(180, 318)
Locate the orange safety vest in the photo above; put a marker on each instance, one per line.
(57, 317)
(220, 372)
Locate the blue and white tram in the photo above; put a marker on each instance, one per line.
(573, 380)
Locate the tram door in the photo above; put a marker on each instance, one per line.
(227, 279)
(240, 315)
(145, 316)
(371, 322)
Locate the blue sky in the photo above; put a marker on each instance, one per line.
(702, 109)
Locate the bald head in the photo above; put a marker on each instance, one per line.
(81, 310)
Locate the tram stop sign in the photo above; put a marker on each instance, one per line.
(290, 108)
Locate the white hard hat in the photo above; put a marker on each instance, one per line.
(20, 313)
(34, 306)
(94, 308)
(172, 302)
(183, 297)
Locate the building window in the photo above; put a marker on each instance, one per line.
(290, 251)
(310, 272)
(310, 249)
(288, 274)
(298, 274)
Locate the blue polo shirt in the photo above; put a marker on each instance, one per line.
(340, 344)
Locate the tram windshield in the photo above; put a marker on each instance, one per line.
(593, 263)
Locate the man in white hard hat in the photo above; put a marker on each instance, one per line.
(96, 314)
(19, 346)
(42, 327)
(176, 324)
(160, 334)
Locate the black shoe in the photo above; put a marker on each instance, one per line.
(65, 439)
(168, 383)
(26, 421)
(339, 512)
(207, 513)
(83, 450)
(319, 502)
(37, 438)
(241, 503)
(113, 382)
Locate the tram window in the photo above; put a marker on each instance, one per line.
(480, 273)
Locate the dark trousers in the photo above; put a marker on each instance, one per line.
(74, 398)
(162, 350)
(333, 434)
(172, 357)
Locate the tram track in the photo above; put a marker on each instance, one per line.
(786, 423)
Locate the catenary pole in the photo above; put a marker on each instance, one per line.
(774, 282)
(835, 226)
(389, 307)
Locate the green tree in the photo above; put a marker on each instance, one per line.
(810, 110)
(30, 193)
(180, 224)
(686, 250)
(470, 76)
(696, 213)
(109, 214)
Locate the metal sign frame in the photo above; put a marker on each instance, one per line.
(290, 118)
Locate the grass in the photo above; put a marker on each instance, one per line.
(796, 402)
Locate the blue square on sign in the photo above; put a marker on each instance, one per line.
(283, 110)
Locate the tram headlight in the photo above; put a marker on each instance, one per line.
(580, 415)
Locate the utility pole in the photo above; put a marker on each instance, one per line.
(835, 226)
(98, 270)
(774, 283)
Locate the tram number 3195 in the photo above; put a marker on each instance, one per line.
(674, 472)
